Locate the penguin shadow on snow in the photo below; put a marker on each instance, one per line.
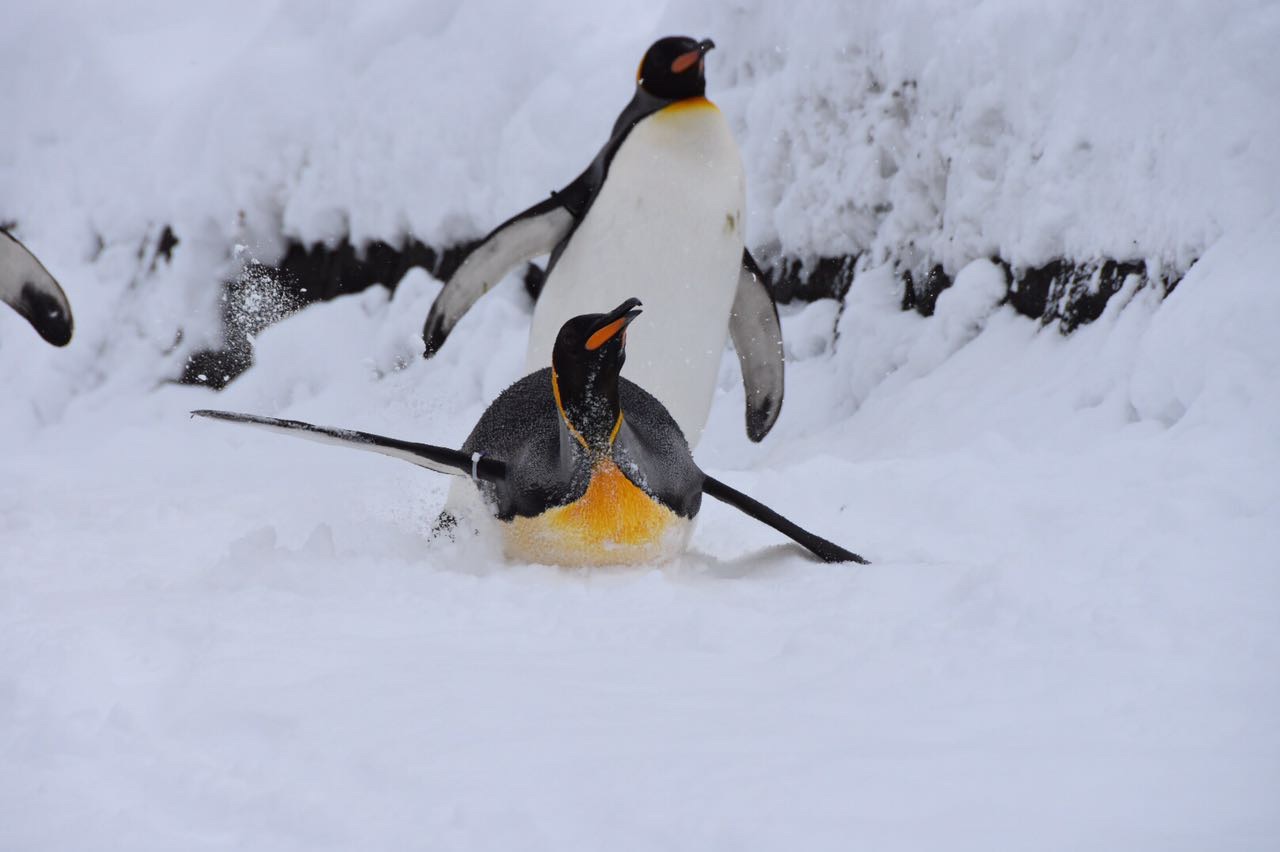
(577, 465)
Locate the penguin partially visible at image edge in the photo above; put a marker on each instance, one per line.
(28, 288)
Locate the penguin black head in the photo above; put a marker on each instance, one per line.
(585, 364)
(673, 68)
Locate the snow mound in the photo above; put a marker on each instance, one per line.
(936, 133)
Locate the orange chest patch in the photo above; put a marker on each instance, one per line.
(613, 522)
(612, 510)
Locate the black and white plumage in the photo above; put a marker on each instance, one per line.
(660, 212)
(28, 288)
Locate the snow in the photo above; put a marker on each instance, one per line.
(214, 638)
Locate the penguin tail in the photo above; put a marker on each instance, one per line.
(439, 459)
(825, 550)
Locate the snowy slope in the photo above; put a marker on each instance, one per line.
(212, 638)
(930, 132)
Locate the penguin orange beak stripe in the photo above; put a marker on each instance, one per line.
(601, 337)
(614, 322)
(685, 61)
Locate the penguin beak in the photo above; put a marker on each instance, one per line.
(609, 325)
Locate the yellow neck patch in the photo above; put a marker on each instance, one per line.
(689, 104)
(555, 392)
(613, 522)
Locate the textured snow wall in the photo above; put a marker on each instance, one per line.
(1073, 145)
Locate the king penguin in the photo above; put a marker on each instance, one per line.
(660, 212)
(28, 288)
(578, 465)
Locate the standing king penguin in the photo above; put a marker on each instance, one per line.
(28, 288)
(659, 212)
(578, 465)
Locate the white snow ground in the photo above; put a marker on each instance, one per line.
(212, 638)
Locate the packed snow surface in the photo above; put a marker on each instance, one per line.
(217, 638)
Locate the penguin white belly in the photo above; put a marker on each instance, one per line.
(666, 227)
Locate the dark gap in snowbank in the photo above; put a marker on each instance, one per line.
(164, 247)
(262, 295)
(922, 296)
(791, 279)
(1072, 293)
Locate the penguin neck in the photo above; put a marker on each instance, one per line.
(590, 413)
(642, 105)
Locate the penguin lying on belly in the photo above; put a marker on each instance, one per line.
(28, 288)
(660, 213)
(578, 465)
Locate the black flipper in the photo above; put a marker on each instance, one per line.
(823, 549)
(439, 459)
(30, 290)
(523, 237)
(757, 337)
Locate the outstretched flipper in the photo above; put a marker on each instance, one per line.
(521, 238)
(825, 550)
(542, 229)
(439, 459)
(29, 289)
(757, 337)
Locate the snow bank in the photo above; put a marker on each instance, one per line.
(1025, 130)
(926, 133)
(215, 638)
